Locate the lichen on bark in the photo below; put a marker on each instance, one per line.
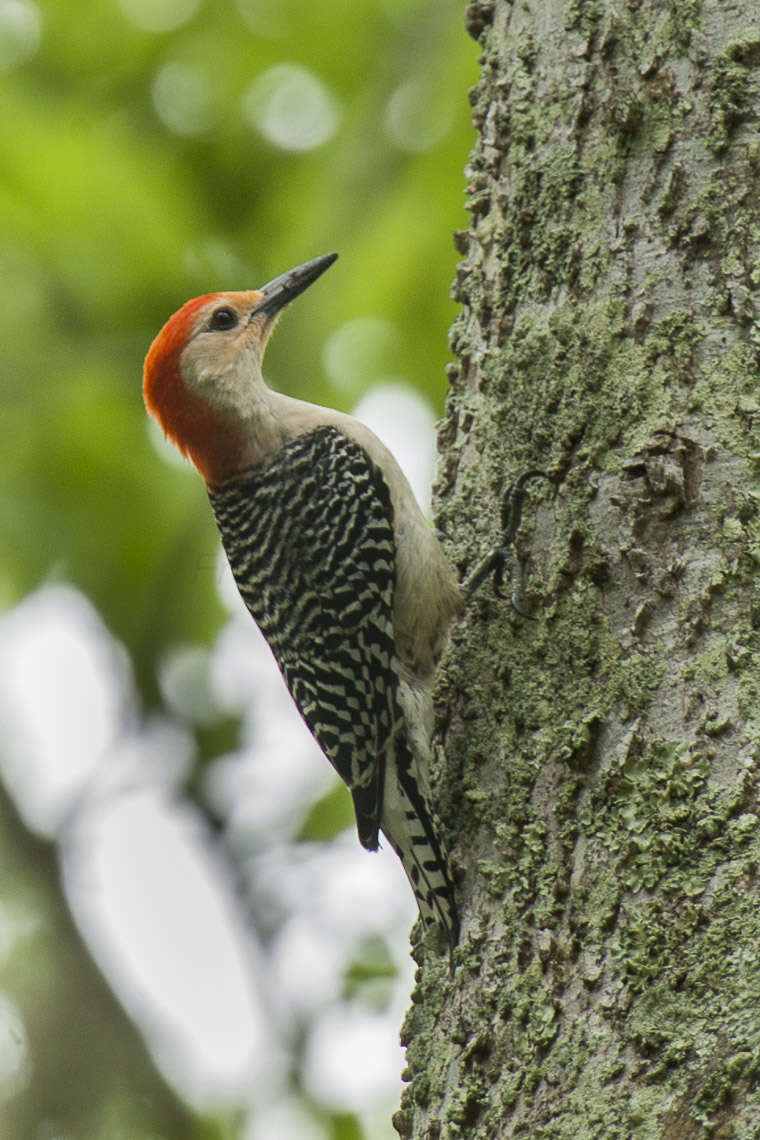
(600, 772)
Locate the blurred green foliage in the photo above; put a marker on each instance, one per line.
(139, 165)
(110, 219)
(152, 150)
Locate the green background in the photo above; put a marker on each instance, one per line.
(133, 175)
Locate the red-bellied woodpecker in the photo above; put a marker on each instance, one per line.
(331, 555)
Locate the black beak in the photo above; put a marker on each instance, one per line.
(281, 290)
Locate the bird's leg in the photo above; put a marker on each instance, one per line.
(501, 560)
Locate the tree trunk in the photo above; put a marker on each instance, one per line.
(600, 781)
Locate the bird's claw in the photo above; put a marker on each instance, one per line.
(512, 504)
(500, 560)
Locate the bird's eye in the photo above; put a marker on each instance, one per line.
(223, 318)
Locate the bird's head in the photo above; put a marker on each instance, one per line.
(202, 377)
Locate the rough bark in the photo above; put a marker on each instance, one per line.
(600, 783)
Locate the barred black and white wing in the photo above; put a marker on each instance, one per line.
(309, 537)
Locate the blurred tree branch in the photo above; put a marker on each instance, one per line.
(87, 1074)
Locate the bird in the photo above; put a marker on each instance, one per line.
(332, 556)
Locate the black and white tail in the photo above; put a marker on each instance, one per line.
(412, 829)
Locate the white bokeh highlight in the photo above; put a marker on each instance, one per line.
(182, 98)
(292, 108)
(20, 32)
(342, 1042)
(14, 1049)
(268, 18)
(62, 684)
(141, 879)
(285, 1121)
(159, 15)
(405, 422)
(412, 120)
(359, 351)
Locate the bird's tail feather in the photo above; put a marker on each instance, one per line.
(412, 829)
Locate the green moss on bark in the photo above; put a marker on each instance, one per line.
(600, 785)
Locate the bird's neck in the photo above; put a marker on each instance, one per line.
(225, 443)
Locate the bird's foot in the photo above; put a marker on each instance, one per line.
(501, 561)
